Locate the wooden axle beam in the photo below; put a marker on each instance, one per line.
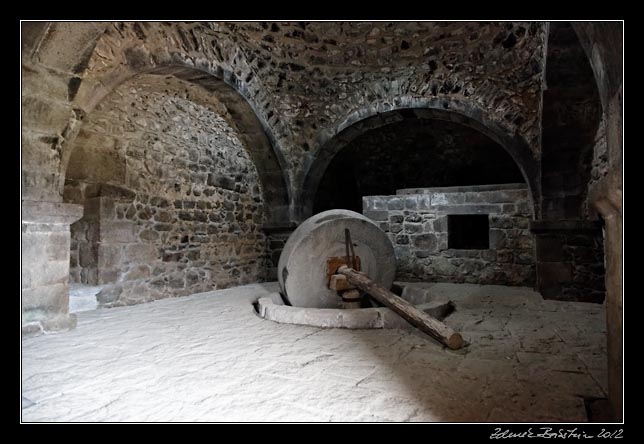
(407, 311)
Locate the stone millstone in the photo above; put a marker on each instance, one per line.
(302, 266)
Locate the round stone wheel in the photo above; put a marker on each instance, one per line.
(302, 266)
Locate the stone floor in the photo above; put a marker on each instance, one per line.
(208, 357)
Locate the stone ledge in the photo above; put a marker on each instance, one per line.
(463, 189)
(50, 325)
(39, 212)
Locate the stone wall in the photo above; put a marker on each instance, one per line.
(599, 166)
(416, 221)
(188, 214)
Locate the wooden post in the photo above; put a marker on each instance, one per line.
(407, 311)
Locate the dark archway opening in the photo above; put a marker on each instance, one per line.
(570, 264)
(412, 153)
(571, 117)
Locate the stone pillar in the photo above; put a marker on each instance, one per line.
(614, 306)
(569, 260)
(276, 237)
(45, 266)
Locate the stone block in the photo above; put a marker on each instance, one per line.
(92, 210)
(137, 272)
(438, 199)
(413, 228)
(440, 224)
(57, 248)
(442, 266)
(379, 203)
(501, 221)
(106, 276)
(367, 203)
(49, 273)
(31, 34)
(411, 202)
(377, 215)
(402, 239)
(425, 241)
(39, 151)
(117, 232)
(50, 213)
(109, 256)
(395, 203)
(98, 164)
(141, 253)
(65, 41)
(44, 115)
(109, 294)
(497, 239)
(525, 258)
(40, 302)
(58, 323)
(88, 254)
(33, 246)
(489, 255)
(475, 197)
(413, 217)
(31, 329)
(220, 181)
(39, 184)
(89, 276)
(107, 208)
(524, 242)
(424, 202)
(504, 256)
(176, 280)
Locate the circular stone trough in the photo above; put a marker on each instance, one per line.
(273, 308)
(306, 298)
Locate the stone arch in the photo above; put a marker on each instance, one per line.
(231, 91)
(380, 114)
(172, 199)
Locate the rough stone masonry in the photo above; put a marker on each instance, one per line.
(172, 201)
(416, 221)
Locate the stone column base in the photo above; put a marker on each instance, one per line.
(50, 325)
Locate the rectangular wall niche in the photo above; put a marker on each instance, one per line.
(468, 231)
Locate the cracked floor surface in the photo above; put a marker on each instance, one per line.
(208, 357)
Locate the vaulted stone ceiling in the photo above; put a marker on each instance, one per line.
(307, 81)
(304, 79)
